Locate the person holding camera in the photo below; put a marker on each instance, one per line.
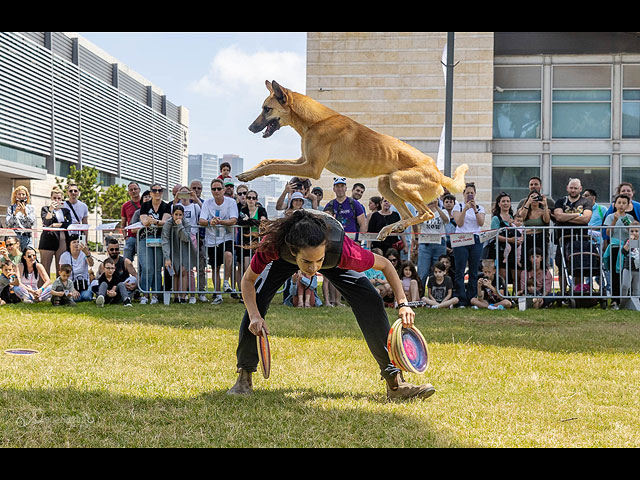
(80, 259)
(21, 214)
(53, 243)
(535, 212)
(469, 218)
(297, 185)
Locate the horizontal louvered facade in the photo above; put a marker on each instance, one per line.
(67, 103)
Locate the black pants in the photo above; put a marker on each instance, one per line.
(364, 299)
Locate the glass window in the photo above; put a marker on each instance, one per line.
(517, 104)
(592, 170)
(511, 174)
(63, 168)
(631, 101)
(630, 171)
(581, 99)
(22, 157)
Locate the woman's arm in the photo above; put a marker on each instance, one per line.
(406, 314)
(249, 296)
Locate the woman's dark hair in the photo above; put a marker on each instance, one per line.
(531, 252)
(496, 206)
(377, 201)
(414, 274)
(23, 260)
(440, 266)
(299, 230)
(177, 206)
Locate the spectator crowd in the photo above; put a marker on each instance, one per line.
(173, 248)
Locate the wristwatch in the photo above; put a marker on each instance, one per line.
(403, 304)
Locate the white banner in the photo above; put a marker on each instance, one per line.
(462, 239)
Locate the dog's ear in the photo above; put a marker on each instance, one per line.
(279, 92)
(269, 87)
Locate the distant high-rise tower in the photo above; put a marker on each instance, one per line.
(203, 167)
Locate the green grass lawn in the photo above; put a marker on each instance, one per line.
(156, 376)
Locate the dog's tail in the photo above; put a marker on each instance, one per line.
(457, 183)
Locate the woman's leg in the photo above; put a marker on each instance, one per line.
(46, 258)
(475, 252)
(369, 311)
(461, 256)
(267, 284)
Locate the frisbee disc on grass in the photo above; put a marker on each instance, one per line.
(264, 353)
(20, 351)
(407, 348)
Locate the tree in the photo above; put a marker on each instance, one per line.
(87, 180)
(111, 200)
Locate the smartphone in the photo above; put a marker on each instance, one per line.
(184, 196)
(469, 197)
(171, 271)
(3, 245)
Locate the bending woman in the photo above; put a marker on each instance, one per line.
(315, 242)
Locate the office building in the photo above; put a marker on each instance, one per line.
(551, 104)
(66, 102)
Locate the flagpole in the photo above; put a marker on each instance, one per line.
(448, 105)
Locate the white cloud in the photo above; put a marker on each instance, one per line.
(234, 71)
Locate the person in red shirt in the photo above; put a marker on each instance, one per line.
(315, 242)
(126, 212)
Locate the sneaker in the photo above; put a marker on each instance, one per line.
(127, 302)
(203, 298)
(492, 307)
(100, 301)
(226, 287)
(614, 306)
(434, 306)
(217, 300)
(192, 300)
(144, 300)
(475, 307)
(154, 300)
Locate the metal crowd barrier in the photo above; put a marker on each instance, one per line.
(586, 269)
(187, 249)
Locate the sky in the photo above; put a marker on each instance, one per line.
(220, 79)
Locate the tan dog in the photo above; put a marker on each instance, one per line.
(345, 147)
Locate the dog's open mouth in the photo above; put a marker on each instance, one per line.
(272, 126)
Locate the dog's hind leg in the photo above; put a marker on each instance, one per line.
(384, 187)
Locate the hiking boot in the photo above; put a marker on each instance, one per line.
(244, 384)
(398, 389)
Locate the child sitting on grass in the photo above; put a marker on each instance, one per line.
(8, 282)
(440, 288)
(489, 296)
(411, 281)
(62, 291)
(377, 278)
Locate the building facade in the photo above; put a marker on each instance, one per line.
(552, 104)
(64, 102)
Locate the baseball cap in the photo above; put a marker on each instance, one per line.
(228, 182)
(337, 180)
(297, 195)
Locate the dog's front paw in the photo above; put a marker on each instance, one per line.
(246, 176)
(384, 233)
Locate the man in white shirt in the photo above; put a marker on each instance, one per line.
(79, 209)
(219, 214)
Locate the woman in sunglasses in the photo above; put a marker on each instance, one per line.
(315, 242)
(53, 243)
(21, 214)
(35, 284)
(11, 251)
(153, 215)
(249, 218)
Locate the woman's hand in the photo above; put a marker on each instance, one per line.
(167, 262)
(256, 325)
(407, 315)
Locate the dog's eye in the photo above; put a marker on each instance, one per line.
(267, 109)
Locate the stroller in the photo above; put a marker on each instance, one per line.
(580, 270)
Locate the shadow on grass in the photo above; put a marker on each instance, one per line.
(69, 417)
(554, 330)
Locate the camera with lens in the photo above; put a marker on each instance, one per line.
(536, 197)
